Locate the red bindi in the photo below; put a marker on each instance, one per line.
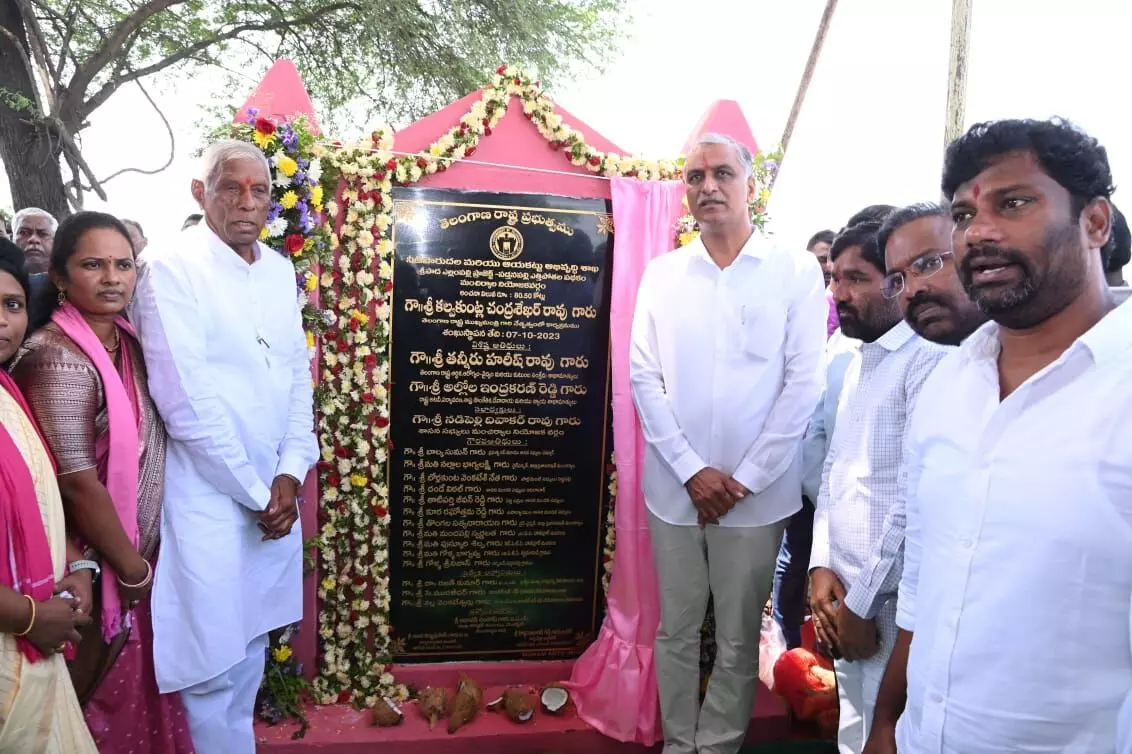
(976, 190)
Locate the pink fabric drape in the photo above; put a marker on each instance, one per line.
(614, 682)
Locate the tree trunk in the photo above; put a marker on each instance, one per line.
(30, 158)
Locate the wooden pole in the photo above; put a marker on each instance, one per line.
(957, 71)
(807, 74)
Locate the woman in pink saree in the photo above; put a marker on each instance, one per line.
(83, 373)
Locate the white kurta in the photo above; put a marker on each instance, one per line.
(230, 375)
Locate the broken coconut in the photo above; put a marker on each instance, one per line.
(386, 713)
(554, 699)
(466, 705)
(517, 704)
(433, 704)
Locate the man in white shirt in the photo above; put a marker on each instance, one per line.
(1017, 588)
(854, 611)
(726, 367)
(228, 368)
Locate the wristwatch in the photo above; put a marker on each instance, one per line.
(84, 565)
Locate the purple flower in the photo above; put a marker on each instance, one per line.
(288, 136)
(275, 211)
(304, 163)
(771, 165)
(250, 116)
(306, 222)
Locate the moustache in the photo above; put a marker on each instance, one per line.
(985, 255)
(919, 301)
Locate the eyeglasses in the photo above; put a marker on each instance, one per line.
(923, 267)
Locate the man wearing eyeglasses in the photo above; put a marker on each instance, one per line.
(916, 244)
(852, 597)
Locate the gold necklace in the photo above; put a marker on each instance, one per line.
(117, 342)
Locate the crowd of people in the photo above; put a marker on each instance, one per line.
(928, 449)
(156, 421)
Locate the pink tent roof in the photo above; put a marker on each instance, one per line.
(515, 142)
(282, 95)
(724, 116)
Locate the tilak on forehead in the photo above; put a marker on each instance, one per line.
(976, 190)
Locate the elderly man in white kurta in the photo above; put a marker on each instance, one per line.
(726, 369)
(229, 372)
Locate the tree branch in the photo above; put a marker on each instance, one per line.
(192, 51)
(168, 130)
(111, 47)
(70, 16)
(39, 51)
(28, 67)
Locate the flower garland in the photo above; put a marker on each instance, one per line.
(296, 227)
(610, 539)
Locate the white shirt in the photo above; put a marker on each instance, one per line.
(1018, 553)
(230, 375)
(726, 368)
(839, 352)
(861, 479)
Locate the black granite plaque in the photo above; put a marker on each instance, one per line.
(499, 418)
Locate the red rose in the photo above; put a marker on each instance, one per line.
(264, 126)
(371, 360)
(388, 286)
(380, 511)
(556, 145)
(487, 131)
(471, 151)
(367, 397)
(293, 243)
(341, 452)
(518, 82)
(595, 161)
(391, 164)
(379, 175)
(381, 421)
(501, 69)
(422, 162)
(333, 480)
(344, 697)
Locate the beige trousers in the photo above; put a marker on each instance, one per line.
(735, 565)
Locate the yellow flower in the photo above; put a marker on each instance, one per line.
(262, 140)
(310, 339)
(360, 317)
(329, 583)
(263, 234)
(289, 200)
(316, 196)
(359, 480)
(286, 165)
(764, 195)
(282, 654)
(687, 238)
(312, 283)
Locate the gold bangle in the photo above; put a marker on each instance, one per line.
(31, 623)
(144, 582)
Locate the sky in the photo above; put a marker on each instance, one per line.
(871, 130)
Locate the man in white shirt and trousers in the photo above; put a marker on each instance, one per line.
(1016, 598)
(726, 368)
(854, 610)
(229, 371)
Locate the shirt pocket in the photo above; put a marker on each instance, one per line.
(763, 329)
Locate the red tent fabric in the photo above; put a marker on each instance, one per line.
(281, 95)
(724, 116)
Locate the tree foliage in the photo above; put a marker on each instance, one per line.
(399, 57)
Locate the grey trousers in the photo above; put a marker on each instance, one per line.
(736, 566)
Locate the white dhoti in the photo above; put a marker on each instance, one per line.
(858, 684)
(221, 710)
(735, 565)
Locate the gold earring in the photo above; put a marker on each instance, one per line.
(62, 297)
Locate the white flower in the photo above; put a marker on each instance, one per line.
(314, 170)
(280, 180)
(277, 227)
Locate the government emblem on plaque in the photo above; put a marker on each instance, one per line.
(506, 243)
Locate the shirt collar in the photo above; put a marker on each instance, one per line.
(757, 247)
(226, 252)
(1107, 340)
(895, 338)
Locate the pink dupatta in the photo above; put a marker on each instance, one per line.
(121, 452)
(25, 553)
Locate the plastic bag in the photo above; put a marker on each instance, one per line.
(771, 646)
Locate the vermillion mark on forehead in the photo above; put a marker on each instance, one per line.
(976, 190)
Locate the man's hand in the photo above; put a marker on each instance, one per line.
(825, 589)
(282, 510)
(714, 494)
(81, 586)
(882, 740)
(857, 637)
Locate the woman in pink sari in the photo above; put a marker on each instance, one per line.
(83, 374)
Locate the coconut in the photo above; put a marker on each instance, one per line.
(433, 704)
(466, 705)
(386, 713)
(554, 699)
(517, 704)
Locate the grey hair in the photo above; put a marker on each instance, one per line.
(26, 212)
(225, 150)
(745, 158)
